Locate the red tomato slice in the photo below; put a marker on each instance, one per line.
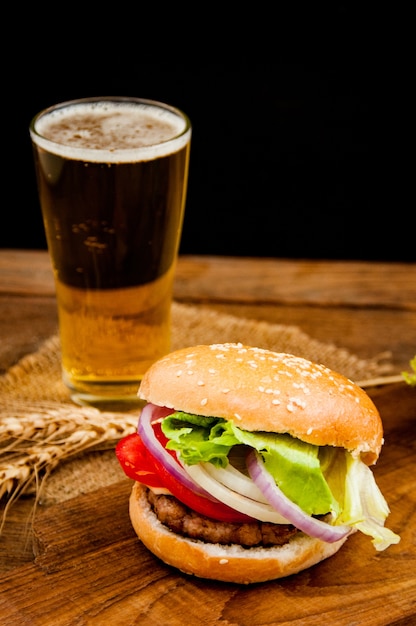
(138, 463)
(216, 510)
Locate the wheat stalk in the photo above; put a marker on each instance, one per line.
(34, 440)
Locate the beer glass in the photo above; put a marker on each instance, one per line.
(112, 179)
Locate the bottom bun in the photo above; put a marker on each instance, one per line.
(228, 563)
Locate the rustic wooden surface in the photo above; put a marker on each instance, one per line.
(90, 568)
(368, 308)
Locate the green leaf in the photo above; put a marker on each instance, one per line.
(294, 464)
(197, 438)
(411, 378)
(296, 468)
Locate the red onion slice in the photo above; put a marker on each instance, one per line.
(152, 413)
(288, 509)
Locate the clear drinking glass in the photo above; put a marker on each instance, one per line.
(112, 178)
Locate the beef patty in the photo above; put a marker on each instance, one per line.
(183, 521)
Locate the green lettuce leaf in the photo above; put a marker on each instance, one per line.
(294, 464)
(197, 438)
(410, 378)
(364, 505)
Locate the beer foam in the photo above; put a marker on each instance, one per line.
(111, 131)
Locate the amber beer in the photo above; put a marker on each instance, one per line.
(112, 180)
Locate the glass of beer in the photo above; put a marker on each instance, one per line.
(112, 177)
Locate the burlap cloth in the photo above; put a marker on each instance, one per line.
(34, 386)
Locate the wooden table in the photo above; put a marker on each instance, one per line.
(368, 308)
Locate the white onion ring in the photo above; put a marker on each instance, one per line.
(151, 413)
(236, 481)
(288, 509)
(235, 500)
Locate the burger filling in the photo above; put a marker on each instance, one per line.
(186, 522)
(213, 481)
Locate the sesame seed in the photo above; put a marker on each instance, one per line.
(237, 416)
(204, 401)
(261, 388)
(302, 386)
(225, 390)
(297, 402)
(201, 383)
(179, 373)
(190, 372)
(223, 561)
(309, 431)
(212, 371)
(224, 347)
(276, 401)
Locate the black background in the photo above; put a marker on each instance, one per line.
(286, 157)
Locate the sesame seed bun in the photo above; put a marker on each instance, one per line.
(227, 563)
(258, 390)
(261, 390)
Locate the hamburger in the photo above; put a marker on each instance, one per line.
(251, 465)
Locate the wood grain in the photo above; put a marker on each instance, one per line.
(368, 308)
(91, 569)
(249, 280)
(329, 283)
